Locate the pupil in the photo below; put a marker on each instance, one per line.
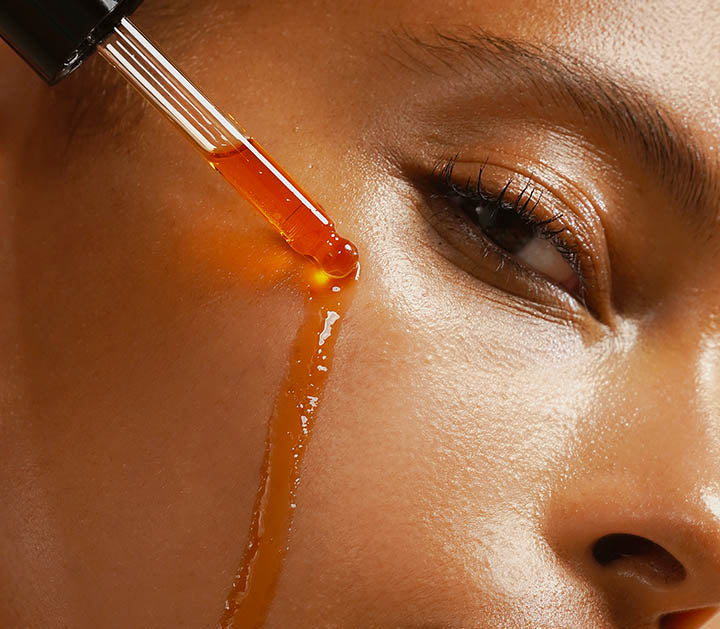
(504, 227)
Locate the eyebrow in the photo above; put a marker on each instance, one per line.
(549, 75)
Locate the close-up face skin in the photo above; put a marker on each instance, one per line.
(520, 425)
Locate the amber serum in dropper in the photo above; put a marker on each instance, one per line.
(240, 159)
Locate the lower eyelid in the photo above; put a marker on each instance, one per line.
(468, 240)
(559, 307)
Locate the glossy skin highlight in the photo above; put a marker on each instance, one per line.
(480, 431)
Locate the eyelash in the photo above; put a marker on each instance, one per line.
(523, 206)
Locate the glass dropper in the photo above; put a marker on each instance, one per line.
(239, 158)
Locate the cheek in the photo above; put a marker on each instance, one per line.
(155, 319)
(442, 410)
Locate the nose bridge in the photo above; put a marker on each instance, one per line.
(663, 393)
(707, 379)
(660, 419)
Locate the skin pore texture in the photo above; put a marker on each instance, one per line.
(482, 430)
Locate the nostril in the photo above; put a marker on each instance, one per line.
(692, 619)
(631, 555)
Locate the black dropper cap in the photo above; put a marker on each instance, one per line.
(55, 36)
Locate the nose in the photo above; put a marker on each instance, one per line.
(655, 560)
(637, 517)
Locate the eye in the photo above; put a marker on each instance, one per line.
(510, 225)
(527, 240)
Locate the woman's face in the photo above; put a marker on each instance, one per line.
(489, 418)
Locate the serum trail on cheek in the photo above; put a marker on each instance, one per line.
(289, 431)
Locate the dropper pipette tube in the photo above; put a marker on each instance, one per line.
(240, 159)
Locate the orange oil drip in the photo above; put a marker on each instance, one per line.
(301, 221)
(289, 431)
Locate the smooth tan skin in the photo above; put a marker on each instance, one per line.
(478, 434)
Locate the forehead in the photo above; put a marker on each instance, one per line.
(671, 49)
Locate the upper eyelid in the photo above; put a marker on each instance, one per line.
(525, 202)
(586, 230)
(567, 86)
